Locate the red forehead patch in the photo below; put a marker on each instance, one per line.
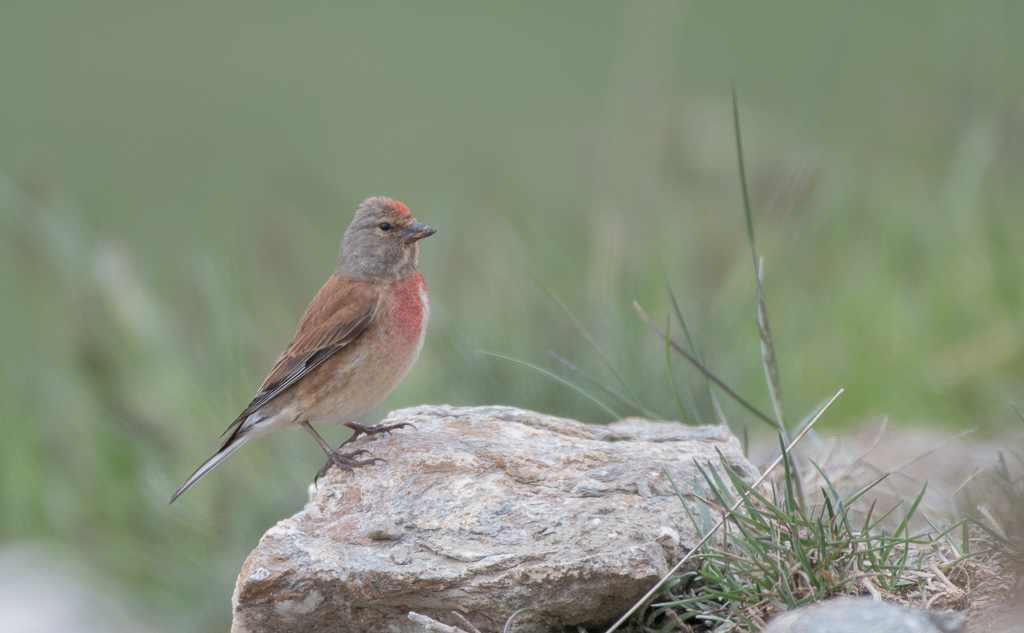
(399, 208)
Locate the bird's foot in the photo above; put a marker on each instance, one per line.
(345, 461)
(362, 429)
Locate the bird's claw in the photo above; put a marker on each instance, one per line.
(345, 461)
(362, 429)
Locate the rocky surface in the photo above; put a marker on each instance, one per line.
(863, 615)
(484, 511)
(47, 587)
(1003, 619)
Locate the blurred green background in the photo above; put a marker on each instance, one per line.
(175, 178)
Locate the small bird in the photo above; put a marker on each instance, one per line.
(355, 342)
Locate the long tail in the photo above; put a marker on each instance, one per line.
(228, 447)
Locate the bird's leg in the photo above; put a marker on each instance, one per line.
(362, 429)
(346, 461)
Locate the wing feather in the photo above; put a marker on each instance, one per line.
(336, 316)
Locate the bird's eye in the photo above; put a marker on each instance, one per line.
(384, 226)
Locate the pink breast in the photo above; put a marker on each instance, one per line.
(409, 310)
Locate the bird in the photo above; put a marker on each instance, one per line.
(357, 339)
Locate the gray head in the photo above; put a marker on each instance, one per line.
(381, 242)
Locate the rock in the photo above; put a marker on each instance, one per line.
(485, 511)
(863, 615)
(999, 619)
(47, 587)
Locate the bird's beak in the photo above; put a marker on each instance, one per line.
(417, 231)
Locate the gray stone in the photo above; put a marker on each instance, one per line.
(44, 587)
(1008, 618)
(485, 511)
(863, 615)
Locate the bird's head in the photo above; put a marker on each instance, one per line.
(382, 242)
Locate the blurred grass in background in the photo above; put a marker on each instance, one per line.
(174, 181)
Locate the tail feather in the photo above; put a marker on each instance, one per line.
(234, 441)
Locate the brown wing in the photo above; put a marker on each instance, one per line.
(338, 313)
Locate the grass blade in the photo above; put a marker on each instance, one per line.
(672, 376)
(768, 471)
(568, 383)
(590, 379)
(635, 403)
(704, 370)
(764, 330)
